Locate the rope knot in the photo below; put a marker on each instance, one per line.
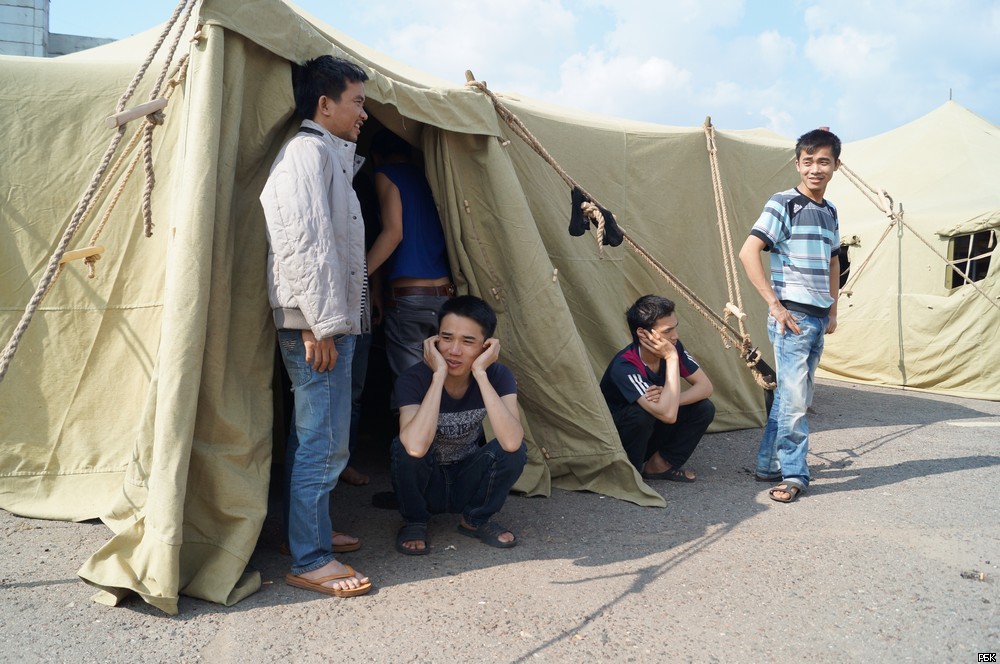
(157, 118)
(594, 213)
(91, 262)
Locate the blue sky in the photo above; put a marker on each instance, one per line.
(861, 67)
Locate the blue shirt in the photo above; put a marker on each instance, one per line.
(422, 253)
(802, 236)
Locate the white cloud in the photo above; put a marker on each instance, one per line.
(623, 85)
(852, 55)
(773, 49)
(863, 66)
(780, 121)
(515, 41)
(668, 26)
(725, 93)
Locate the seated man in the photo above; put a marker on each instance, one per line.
(441, 462)
(658, 423)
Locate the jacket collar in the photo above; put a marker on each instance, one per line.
(345, 148)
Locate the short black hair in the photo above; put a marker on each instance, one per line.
(645, 312)
(325, 75)
(472, 307)
(388, 144)
(813, 140)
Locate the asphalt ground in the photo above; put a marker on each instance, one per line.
(892, 555)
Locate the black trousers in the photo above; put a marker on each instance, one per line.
(643, 435)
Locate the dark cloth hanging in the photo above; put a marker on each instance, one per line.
(579, 223)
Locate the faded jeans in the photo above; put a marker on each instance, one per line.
(317, 449)
(785, 442)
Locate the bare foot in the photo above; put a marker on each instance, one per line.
(342, 542)
(333, 568)
(415, 545)
(353, 476)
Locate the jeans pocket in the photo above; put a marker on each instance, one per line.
(293, 355)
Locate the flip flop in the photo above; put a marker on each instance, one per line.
(792, 490)
(674, 475)
(411, 532)
(316, 585)
(767, 478)
(337, 548)
(489, 533)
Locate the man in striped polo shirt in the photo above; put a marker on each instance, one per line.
(799, 228)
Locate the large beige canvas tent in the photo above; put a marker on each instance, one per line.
(143, 395)
(910, 320)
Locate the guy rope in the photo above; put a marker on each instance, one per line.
(153, 116)
(884, 202)
(762, 374)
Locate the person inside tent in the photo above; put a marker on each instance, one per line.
(659, 424)
(410, 251)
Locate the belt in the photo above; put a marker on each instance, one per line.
(403, 291)
(446, 290)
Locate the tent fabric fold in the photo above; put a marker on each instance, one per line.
(144, 396)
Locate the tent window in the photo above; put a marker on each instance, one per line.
(970, 254)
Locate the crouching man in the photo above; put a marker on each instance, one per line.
(659, 424)
(441, 461)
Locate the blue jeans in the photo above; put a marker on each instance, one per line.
(785, 442)
(475, 487)
(317, 449)
(413, 319)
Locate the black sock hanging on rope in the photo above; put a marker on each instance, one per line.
(578, 222)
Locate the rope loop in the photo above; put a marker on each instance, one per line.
(54, 266)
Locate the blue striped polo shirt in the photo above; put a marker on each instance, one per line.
(802, 236)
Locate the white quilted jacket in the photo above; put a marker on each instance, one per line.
(316, 259)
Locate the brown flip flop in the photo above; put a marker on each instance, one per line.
(316, 585)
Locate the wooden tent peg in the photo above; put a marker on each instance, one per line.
(142, 110)
(734, 310)
(85, 252)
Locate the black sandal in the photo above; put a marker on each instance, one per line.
(793, 491)
(673, 474)
(413, 532)
(489, 533)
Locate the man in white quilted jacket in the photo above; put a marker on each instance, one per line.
(317, 284)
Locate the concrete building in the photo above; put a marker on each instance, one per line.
(24, 30)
